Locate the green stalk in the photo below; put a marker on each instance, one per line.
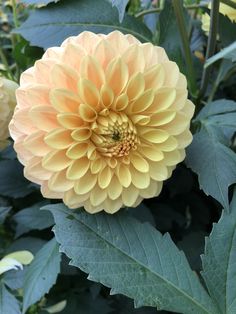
(211, 44)
(6, 65)
(179, 13)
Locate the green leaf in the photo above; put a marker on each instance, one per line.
(219, 266)
(132, 258)
(213, 161)
(41, 274)
(226, 53)
(227, 30)
(8, 303)
(4, 211)
(12, 181)
(49, 26)
(120, 5)
(32, 218)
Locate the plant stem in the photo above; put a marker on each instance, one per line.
(157, 10)
(229, 3)
(5, 63)
(179, 13)
(211, 44)
(14, 11)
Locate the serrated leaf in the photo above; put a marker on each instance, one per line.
(32, 218)
(41, 274)
(131, 258)
(8, 303)
(12, 181)
(219, 267)
(120, 5)
(49, 26)
(209, 153)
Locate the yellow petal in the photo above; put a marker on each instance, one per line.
(59, 182)
(23, 257)
(107, 95)
(114, 189)
(73, 55)
(124, 175)
(154, 135)
(56, 160)
(97, 165)
(134, 59)
(78, 168)
(59, 138)
(34, 143)
(143, 102)
(104, 53)
(158, 171)
(81, 134)
(104, 177)
(70, 120)
(91, 69)
(121, 103)
(77, 150)
(139, 162)
(88, 92)
(161, 118)
(85, 184)
(135, 87)
(154, 77)
(63, 76)
(117, 75)
(140, 180)
(97, 196)
(151, 152)
(163, 99)
(87, 113)
(44, 117)
(64, 100)
(130, 195)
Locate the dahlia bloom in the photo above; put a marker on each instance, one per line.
(224, 9)
(102, 121)
(7, 105)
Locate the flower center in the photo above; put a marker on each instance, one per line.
(114, 134)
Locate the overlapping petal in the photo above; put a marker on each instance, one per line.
(102, 121)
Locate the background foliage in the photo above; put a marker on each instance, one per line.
(150, 254)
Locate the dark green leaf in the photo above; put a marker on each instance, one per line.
(50, 25)
(8, 303)
(12, 181)
(32, 218)
(213, 161)
(219, 267)
(3, 213)
(41, 274)
(132, 258)
(227, 30)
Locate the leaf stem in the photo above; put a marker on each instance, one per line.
(179, 13)
(211, 44)
(5, 63)
(157, 10)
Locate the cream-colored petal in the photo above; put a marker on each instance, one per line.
(121, 102)
(73, 55)
(153, 135)
(123, 175)
(73, 200)
(158, 171)
(152, 190)
(97, 195)
(70, 121)
(114, 189)
(87, 113)
(35, 144)
(107, 95)
(163, 100)
(104, 52)
(130, 195)
(161, 118)
(140, 180)
(151, 152)
(44, 118)
(142, 103)
(135, 86)
(35, 172)
(81, 134)
(63, 76)
(91, 70)
(97, 165)
(134, 59)
(154, 77)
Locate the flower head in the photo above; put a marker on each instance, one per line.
(224, 9)
(102, 121)
(7, 105)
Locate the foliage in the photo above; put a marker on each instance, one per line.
(153, 258)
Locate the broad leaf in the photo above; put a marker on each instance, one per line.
(8, 303)
(120, 5)
(209, 154)
(49, 26)
(32, 218)
(41, 274)
(219, 266)
(132, 258)
(12, 181)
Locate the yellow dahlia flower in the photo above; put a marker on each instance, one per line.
(102, 121)
(224, 9)
(7, 105)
